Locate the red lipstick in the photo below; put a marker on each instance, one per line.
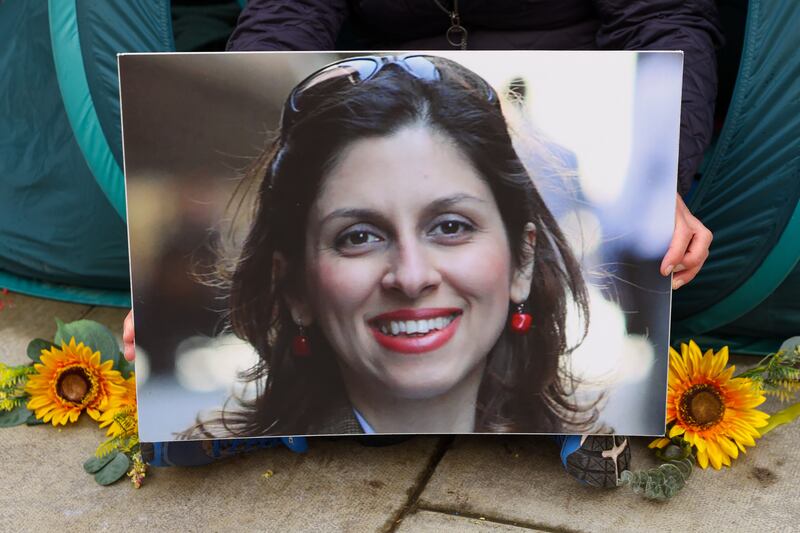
(415, 343)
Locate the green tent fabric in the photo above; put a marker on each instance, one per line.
(62, 203)
(748, 294)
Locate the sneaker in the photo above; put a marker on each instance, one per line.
(203, 452)
(595, 460)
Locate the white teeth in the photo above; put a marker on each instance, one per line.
(410, 327)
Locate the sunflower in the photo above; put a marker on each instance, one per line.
(69, 380)
(712, 411)
(121, 404)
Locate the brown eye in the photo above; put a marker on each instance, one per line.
(450, 227)
(356, 239)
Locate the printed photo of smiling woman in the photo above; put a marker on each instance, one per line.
(401, 273)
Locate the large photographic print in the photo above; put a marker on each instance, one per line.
(327, 244)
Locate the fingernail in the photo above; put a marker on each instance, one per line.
(680, 268)
(677, 284)
(669, 270)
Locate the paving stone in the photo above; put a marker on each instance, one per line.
(433, 522)
(24, 318)
(338, 485)
(520, 480)
(112, 317)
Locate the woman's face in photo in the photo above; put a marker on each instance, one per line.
(409, 269)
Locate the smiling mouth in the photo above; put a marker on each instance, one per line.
(415, 327)
(414, 331)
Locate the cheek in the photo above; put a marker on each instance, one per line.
(484, 272)
(341, 285)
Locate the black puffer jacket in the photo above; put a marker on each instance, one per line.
(688, 25)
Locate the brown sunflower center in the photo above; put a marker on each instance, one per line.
(702, 406)
(73, 384)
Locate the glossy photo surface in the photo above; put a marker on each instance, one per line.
(424, 243)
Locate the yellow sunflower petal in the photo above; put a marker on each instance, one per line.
(694, 350)
(659, 443)
(695, 441)
(45, 408)
(724, 353)
(676, 430)
(47, 360)
(702, 459)
(726, 460)
(684, 351)
(728, 447)
(37, 402)
(61, 418)
(742, 437)
(714, 454)
(706, 363)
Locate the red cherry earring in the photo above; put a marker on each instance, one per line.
(520, 321)
(300, 345)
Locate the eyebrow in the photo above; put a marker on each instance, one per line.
(371, 214)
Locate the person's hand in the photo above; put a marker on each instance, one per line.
(127, 337)
(689, 247)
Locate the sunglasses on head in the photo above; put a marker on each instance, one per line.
(356, 70)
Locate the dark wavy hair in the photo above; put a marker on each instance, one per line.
(527, 386)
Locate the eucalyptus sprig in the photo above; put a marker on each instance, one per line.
(667, 479)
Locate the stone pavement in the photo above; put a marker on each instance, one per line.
(491, 484)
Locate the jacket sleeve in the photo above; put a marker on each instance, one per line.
(288, 25)
(688, 25)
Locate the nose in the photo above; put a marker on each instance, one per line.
(411, 271)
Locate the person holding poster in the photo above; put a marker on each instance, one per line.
(688, 229)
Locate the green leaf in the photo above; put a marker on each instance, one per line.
(17, 416)
(33, 421)
(35, 348)
(125, 367)
(114, 470)
(94, 464)
(59, 325)
(92, 334)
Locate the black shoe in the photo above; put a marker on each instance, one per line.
(596, 460)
